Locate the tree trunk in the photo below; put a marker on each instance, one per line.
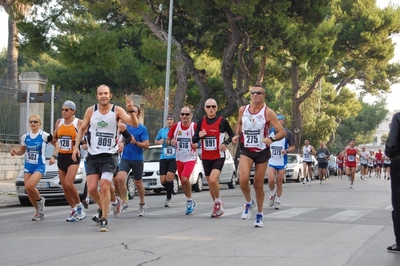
(12, 54)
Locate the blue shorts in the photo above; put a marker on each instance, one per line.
(31, 168)
(280, 167)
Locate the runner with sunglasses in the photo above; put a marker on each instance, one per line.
(252, 128)
(180, 135)
(211, 132)
(33, 145)
(64, 140)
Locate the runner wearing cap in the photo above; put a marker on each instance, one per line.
(64, 140)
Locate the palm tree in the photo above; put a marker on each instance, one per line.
(13, 8)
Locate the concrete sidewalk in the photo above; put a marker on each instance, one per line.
(8, 194)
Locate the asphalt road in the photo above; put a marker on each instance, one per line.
(328, 224)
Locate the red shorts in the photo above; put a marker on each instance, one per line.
(185, 169)
(351, 164)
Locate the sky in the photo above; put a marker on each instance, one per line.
(392, 98)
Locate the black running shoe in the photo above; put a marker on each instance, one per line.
(394, 248)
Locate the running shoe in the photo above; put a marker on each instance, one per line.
(304, 180)
(167, 203)
(80, 210)
(309, 182)
(218, 210)
(320, 182)
(117, 208)
(277, 205)
(259, 222)
(272, 200)
(124, 207)
(142, 209)
(97, 218)
(40, 205)
(85, 202)
(103, 225)
(393, 248)
(247, 210)
(351, 185)
(72, 215)
(38, 216)
(190, 206)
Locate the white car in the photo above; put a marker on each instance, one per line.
(151, 172)
(49, 185)
(294, 168)
(228, 174)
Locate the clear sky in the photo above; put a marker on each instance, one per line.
(392, 98)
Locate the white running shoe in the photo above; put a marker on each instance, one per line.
(142, 209)
(247, 210)
(277, 205)
(259, 222)
(272, 200)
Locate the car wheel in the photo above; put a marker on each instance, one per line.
(130, 185)
(25, 201)
(175, 186)
(232, 184)
(198, 187)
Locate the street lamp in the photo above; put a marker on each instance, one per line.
(167, 74)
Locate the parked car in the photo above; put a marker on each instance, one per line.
(332, 166)
(151, 172)
(49, 185)
(228, 174)
(294, 168)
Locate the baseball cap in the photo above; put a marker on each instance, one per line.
(281, 117)
(70, 104)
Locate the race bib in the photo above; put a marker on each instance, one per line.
(104, 140)
(276, 151)
(32, 157)
(306, 155)
(183, 144)
(65, 143)
(252, 138)
(322, 155)
(210, 143)
(351, 158)
(169, 151)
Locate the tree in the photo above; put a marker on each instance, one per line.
(15, 10)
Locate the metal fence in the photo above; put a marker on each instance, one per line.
(13, 114)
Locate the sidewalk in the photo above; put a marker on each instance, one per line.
(8, 195)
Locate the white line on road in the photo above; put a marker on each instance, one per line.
(347, 215)
(289, 213)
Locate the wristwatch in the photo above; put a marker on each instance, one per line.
(272, 138)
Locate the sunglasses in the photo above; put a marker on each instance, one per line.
(257, 92)
(65, 109)
(185, 114)
(211, 106)
(33, 122)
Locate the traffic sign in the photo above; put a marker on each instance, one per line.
(38, 97)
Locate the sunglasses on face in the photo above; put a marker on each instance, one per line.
(33, 122)
(257, 92)
(211, 106)
(65, 109)
(185, 114)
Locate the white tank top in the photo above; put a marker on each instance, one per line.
(102, 132)
(277, 158)
(254, 129)
(184, 150)
(307, 154)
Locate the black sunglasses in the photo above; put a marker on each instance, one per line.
(65, 109)
(257, 92)
(211, 106)
(185, 114)
(34, 122)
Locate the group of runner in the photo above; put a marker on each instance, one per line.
(101, 128)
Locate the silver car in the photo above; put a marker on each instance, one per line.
(49, 185)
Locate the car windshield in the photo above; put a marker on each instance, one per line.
(152, 154)
(292, 159)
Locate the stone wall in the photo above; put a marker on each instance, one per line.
(9, 165)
